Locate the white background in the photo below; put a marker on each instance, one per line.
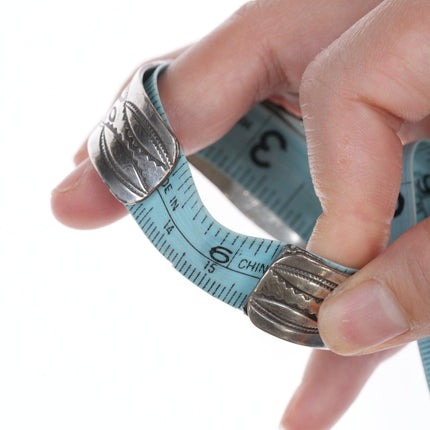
(97, 331)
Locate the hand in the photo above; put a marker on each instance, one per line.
(360, 97)
(205, 91)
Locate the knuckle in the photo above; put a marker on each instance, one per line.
(317, 80)
(331, 76)
(313, 71)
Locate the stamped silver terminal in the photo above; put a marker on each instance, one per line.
(287, 299)
(133, 149)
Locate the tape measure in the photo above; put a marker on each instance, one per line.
(280, 286)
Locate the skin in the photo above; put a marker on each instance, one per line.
(358, 72)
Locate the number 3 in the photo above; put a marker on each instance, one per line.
(263, 145)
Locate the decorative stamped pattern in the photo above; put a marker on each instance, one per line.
(287, 299)
(133, 149)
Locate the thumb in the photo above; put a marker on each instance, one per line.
(386, 303)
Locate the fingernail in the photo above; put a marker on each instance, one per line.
(361, 317)
(74, 179)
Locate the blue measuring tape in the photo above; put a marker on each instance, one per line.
(280, 286)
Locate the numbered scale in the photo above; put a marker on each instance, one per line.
(262, 166)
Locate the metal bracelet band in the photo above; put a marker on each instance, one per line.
(137, 155)
(287, 299)
(133, 149)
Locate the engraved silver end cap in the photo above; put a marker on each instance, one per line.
(133, 149)
(286, 301)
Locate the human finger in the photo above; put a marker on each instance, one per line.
(356, 96)
(330, 384)
(386, 303)
(260, 51)
(90, 209)
(354, 126)
(370, 82)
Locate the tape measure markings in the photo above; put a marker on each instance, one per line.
(185, 197)
(289, 160)
(229, 160)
